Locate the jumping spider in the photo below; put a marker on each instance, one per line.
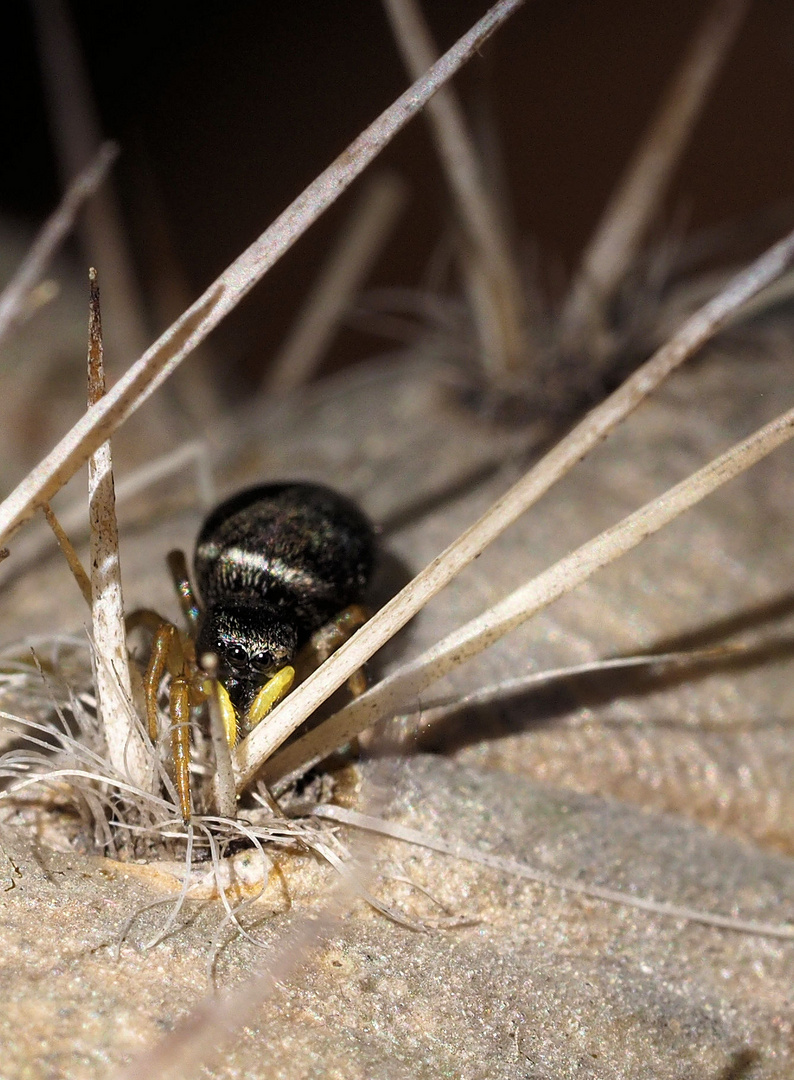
(280, 568)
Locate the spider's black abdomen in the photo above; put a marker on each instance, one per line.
(300, 549)
(273, 564)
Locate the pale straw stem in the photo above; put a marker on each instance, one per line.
(361, 239)
(148, 373)
(490, 272)
(291, 713)
(630, 211)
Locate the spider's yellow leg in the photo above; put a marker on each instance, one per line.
(269, 696)
(330, 637)
(180, 742)
(177, 564)
(357, 684)
(162, 647)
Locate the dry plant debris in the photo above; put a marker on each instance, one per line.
(117, 796)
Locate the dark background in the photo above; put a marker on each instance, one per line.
(225, 112)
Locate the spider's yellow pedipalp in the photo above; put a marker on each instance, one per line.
(270, 695)
(228, 714)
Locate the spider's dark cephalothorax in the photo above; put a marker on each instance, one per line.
(279, 567)
(273, 564)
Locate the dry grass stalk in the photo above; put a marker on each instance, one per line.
(518, 869)
(411, 723)
(490, 272)
(111, 661)
(636, 200)
(260, 744)
(154, 367)
(71, 556)
(387, 698)
(51, 236)
(103, 418)
(361, 239)
(223, 790)
(73, 520)
(77, 133)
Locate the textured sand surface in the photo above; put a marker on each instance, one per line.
(536, 983)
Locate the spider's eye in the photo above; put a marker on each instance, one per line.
(264, 663)
(235, 656)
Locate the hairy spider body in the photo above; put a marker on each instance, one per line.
(274, 564)
(279, 567)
